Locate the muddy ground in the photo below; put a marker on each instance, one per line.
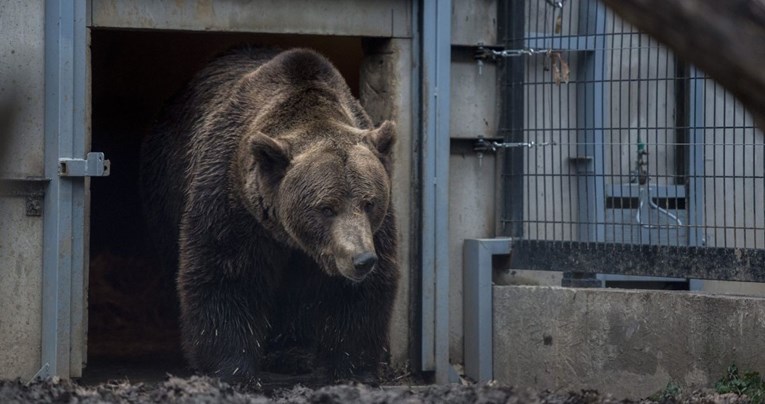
(196, 389)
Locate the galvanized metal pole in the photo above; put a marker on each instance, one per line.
(590, 118)
(477, 305)
(511, 26)
(695, 193)
(436, 63)
(64, 208)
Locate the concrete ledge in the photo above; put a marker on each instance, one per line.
(627, 343)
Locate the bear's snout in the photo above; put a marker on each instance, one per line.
(353, 248)
(364, 263)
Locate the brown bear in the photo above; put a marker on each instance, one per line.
(269, 188)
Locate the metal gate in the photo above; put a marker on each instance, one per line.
(621, 158)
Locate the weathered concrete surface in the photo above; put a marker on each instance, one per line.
(474, 103)
(390, 18)
(753, 289)
(21, 87)
(21, 135)
(472, 200)
(474, 22)
(385, 92)
(473, 182)
(528, 277)
(20, 287)
(627, 343)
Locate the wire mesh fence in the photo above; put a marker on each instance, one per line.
(632, 147)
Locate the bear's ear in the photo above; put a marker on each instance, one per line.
(383, 138)
(271, 155)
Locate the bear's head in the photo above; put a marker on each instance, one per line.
(327, 198)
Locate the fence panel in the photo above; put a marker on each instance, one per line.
(635, 162)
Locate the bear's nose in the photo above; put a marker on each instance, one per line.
(364, 263)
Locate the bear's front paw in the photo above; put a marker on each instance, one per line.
(346, 371)
(290, 361)
(367, 377)
(232, 370)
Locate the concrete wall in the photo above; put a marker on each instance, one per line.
(626, 343)
(473, 181)
(21, 87)
(386, 94)
(21, 99)
(472, 185)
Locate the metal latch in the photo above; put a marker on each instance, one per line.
(95, 165)
(483, 52)
(482, 145)
(492, 54)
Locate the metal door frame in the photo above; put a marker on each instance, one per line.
(64, 216)
(433, 43)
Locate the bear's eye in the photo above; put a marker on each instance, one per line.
(369, 206)
(327, 211)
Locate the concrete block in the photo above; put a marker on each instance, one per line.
(20, 290)
(474, 98)
(626, 343)
(528, 277)
(474, 22)
(754, 289)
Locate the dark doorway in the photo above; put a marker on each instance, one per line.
(132, 303)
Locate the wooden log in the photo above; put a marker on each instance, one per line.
(725, 38)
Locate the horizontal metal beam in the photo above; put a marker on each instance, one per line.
(579, 43)
(31, 188)
(22, 187)
(726, 264)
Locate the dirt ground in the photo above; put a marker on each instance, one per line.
(196, 389)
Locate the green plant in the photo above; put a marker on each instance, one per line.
(670, 393)
(750, 384)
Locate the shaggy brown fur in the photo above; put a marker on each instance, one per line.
(269, 188)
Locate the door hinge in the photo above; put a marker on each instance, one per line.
(95, 165)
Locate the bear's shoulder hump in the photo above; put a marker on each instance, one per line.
(305, 64)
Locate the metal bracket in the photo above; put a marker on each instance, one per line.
(33, 205)
(94, 166)
(43, 372)
(31, 188)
